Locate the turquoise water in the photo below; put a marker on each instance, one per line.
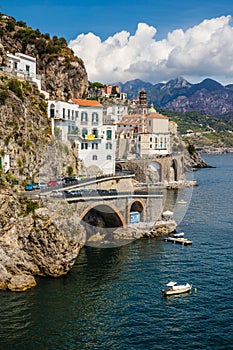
(111, 299)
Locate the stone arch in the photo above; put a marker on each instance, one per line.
(136, 205)
(108, 213)
(118, 167)
(154, 172)
(173, 174)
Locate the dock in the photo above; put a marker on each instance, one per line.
(183, 241)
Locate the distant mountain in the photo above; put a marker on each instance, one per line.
(208, 97)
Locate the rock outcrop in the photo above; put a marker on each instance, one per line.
(25, 132)
(63, 75)
(31, 244)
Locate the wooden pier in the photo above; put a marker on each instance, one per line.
(182, 240)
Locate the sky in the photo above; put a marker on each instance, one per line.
(151, 40)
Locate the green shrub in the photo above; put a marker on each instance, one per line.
(7, 140)
(3, 96)
(15, 86)
(10, 27)
(21, 24)
(70, 170)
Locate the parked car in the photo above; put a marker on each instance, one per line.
(28, 187)
(103, 192)
(42, 185)
(35, 186)
(56, 194)
(52, 183)
(69, 180)
(113, 192)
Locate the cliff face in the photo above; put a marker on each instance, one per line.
(36, 239)
(63, 74)
(31, 244)
(25, 130)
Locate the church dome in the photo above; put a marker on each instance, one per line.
(151, 109)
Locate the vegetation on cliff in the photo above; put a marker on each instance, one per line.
(63, 74)
(205, 130)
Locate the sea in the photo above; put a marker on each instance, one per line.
(112, 298)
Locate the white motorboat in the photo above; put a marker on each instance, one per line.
(178, 235)
(176, 289)
(182, 201)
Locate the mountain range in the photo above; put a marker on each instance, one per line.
(208, 97)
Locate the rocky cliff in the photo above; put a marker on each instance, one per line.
(25, 130)
(31, 244)
(36, 238)
(63, 74)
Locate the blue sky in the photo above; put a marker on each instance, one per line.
(68, 18)
(110, 28)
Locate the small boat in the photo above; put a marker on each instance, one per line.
(176, 289)
(179, 240)
(178, 235)
(182, 202)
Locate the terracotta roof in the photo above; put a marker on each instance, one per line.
(86, 103)
(130, 122)
(132, 116)
(156, 115)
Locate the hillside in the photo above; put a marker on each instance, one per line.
(31, 241)
(63, 74)
(207, 97)
(203, 131)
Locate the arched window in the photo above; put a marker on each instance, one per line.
(95, 133)
(109, 157)
(94, 157)
(84, 117)
(52, 111)
(108, 145)
(95, 118)
(84, 133)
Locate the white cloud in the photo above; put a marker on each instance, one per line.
(205, 50)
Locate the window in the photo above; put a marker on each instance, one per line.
(84, 133)
(151, 139)
(72, 113)
(68, 113)
(94, 157)
(108, 145)
(95, 118)
(76, 115)
(94, 145)
(63, 113)
(52, 111)
(84, 145)
(109, 134)
(83, 117)
(95, 133)
(27, 68)
(150, 146)
(15, 65)
(109, 157)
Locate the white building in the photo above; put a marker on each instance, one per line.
(151, 132)
(81, 121)
(5, 162)
(156, 136)
(115, 113)
(24, 67)
(64, 119)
